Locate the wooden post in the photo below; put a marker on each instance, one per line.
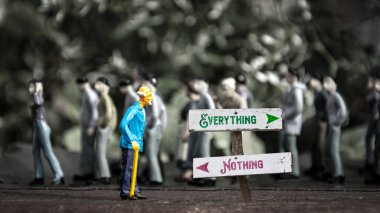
(237, 149)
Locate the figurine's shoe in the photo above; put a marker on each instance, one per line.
(59, 182)
(155, 183)
(126, 197)
(337, 180)
(37, 182)
(86, 177)
(140, 196)
(104, 181)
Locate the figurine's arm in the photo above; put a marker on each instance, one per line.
(125, 126)
(163, 114)
(108, 113)
(94, 101)
(343, 109)
(38, 100)
(296, 109)
(206, 98)
(132, 94)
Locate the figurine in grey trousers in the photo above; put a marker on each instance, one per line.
(292, 118)
(336, 114)
(89, 116)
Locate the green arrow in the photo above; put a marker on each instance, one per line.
(271, 118)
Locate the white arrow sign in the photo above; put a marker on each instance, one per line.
(235, 119)
(242, 165)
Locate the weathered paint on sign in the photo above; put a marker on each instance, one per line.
(235, 119)
(242, 165)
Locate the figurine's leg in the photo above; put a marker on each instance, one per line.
(38, 166)
(124, 155)
(86, 164)
(376, 165)
(281, 142)
(127, 175)
(152, 150)
(102, 137)
(328, 153)
(337, 162)
(205, 143)
(204, 146)
(369, 138)
(291, 145)
(48, 152)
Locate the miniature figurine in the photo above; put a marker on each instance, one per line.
(41, 138)
(105, 125)
(199, 142)
(320, 105)
(374, 176)
(336, 114)
(292, 118)
(373, 99)
(132, 128)
(184, 134)
(156, 124)
(89, 116)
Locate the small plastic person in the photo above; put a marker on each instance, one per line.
(132, 128)
(126, 88)
(41, 138)
(199, 142)
(374, 176)
(88, 119)
(183, 134)
(156, 124)
(373, 99)
(336, 115)
(106, 123)
(320, 105)
(292, 118)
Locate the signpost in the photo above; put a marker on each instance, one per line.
(237, 120)
(242, 165)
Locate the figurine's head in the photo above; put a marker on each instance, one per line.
(241, 78)
(35, 86)
(316, 82)
(191, 93)
(329, 84)
(292, 76)
(228, 86)
(82, 83)
(145, 95)
(124, 84)
(371, 83)
(377, 83)
(102, 85)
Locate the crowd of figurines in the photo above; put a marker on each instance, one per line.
(145, 120)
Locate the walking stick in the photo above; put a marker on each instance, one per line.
(136, 148)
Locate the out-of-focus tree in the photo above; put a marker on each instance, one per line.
(57, 40)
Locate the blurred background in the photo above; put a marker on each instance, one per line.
(59, 40)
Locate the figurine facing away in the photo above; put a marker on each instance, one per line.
(132, 128)
(88, 118)
(41, 138)
(106, 123)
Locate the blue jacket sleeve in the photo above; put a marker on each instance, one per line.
(125, 125)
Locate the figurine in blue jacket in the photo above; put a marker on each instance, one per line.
(132, 130)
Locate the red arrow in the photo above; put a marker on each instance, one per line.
(203, 167)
